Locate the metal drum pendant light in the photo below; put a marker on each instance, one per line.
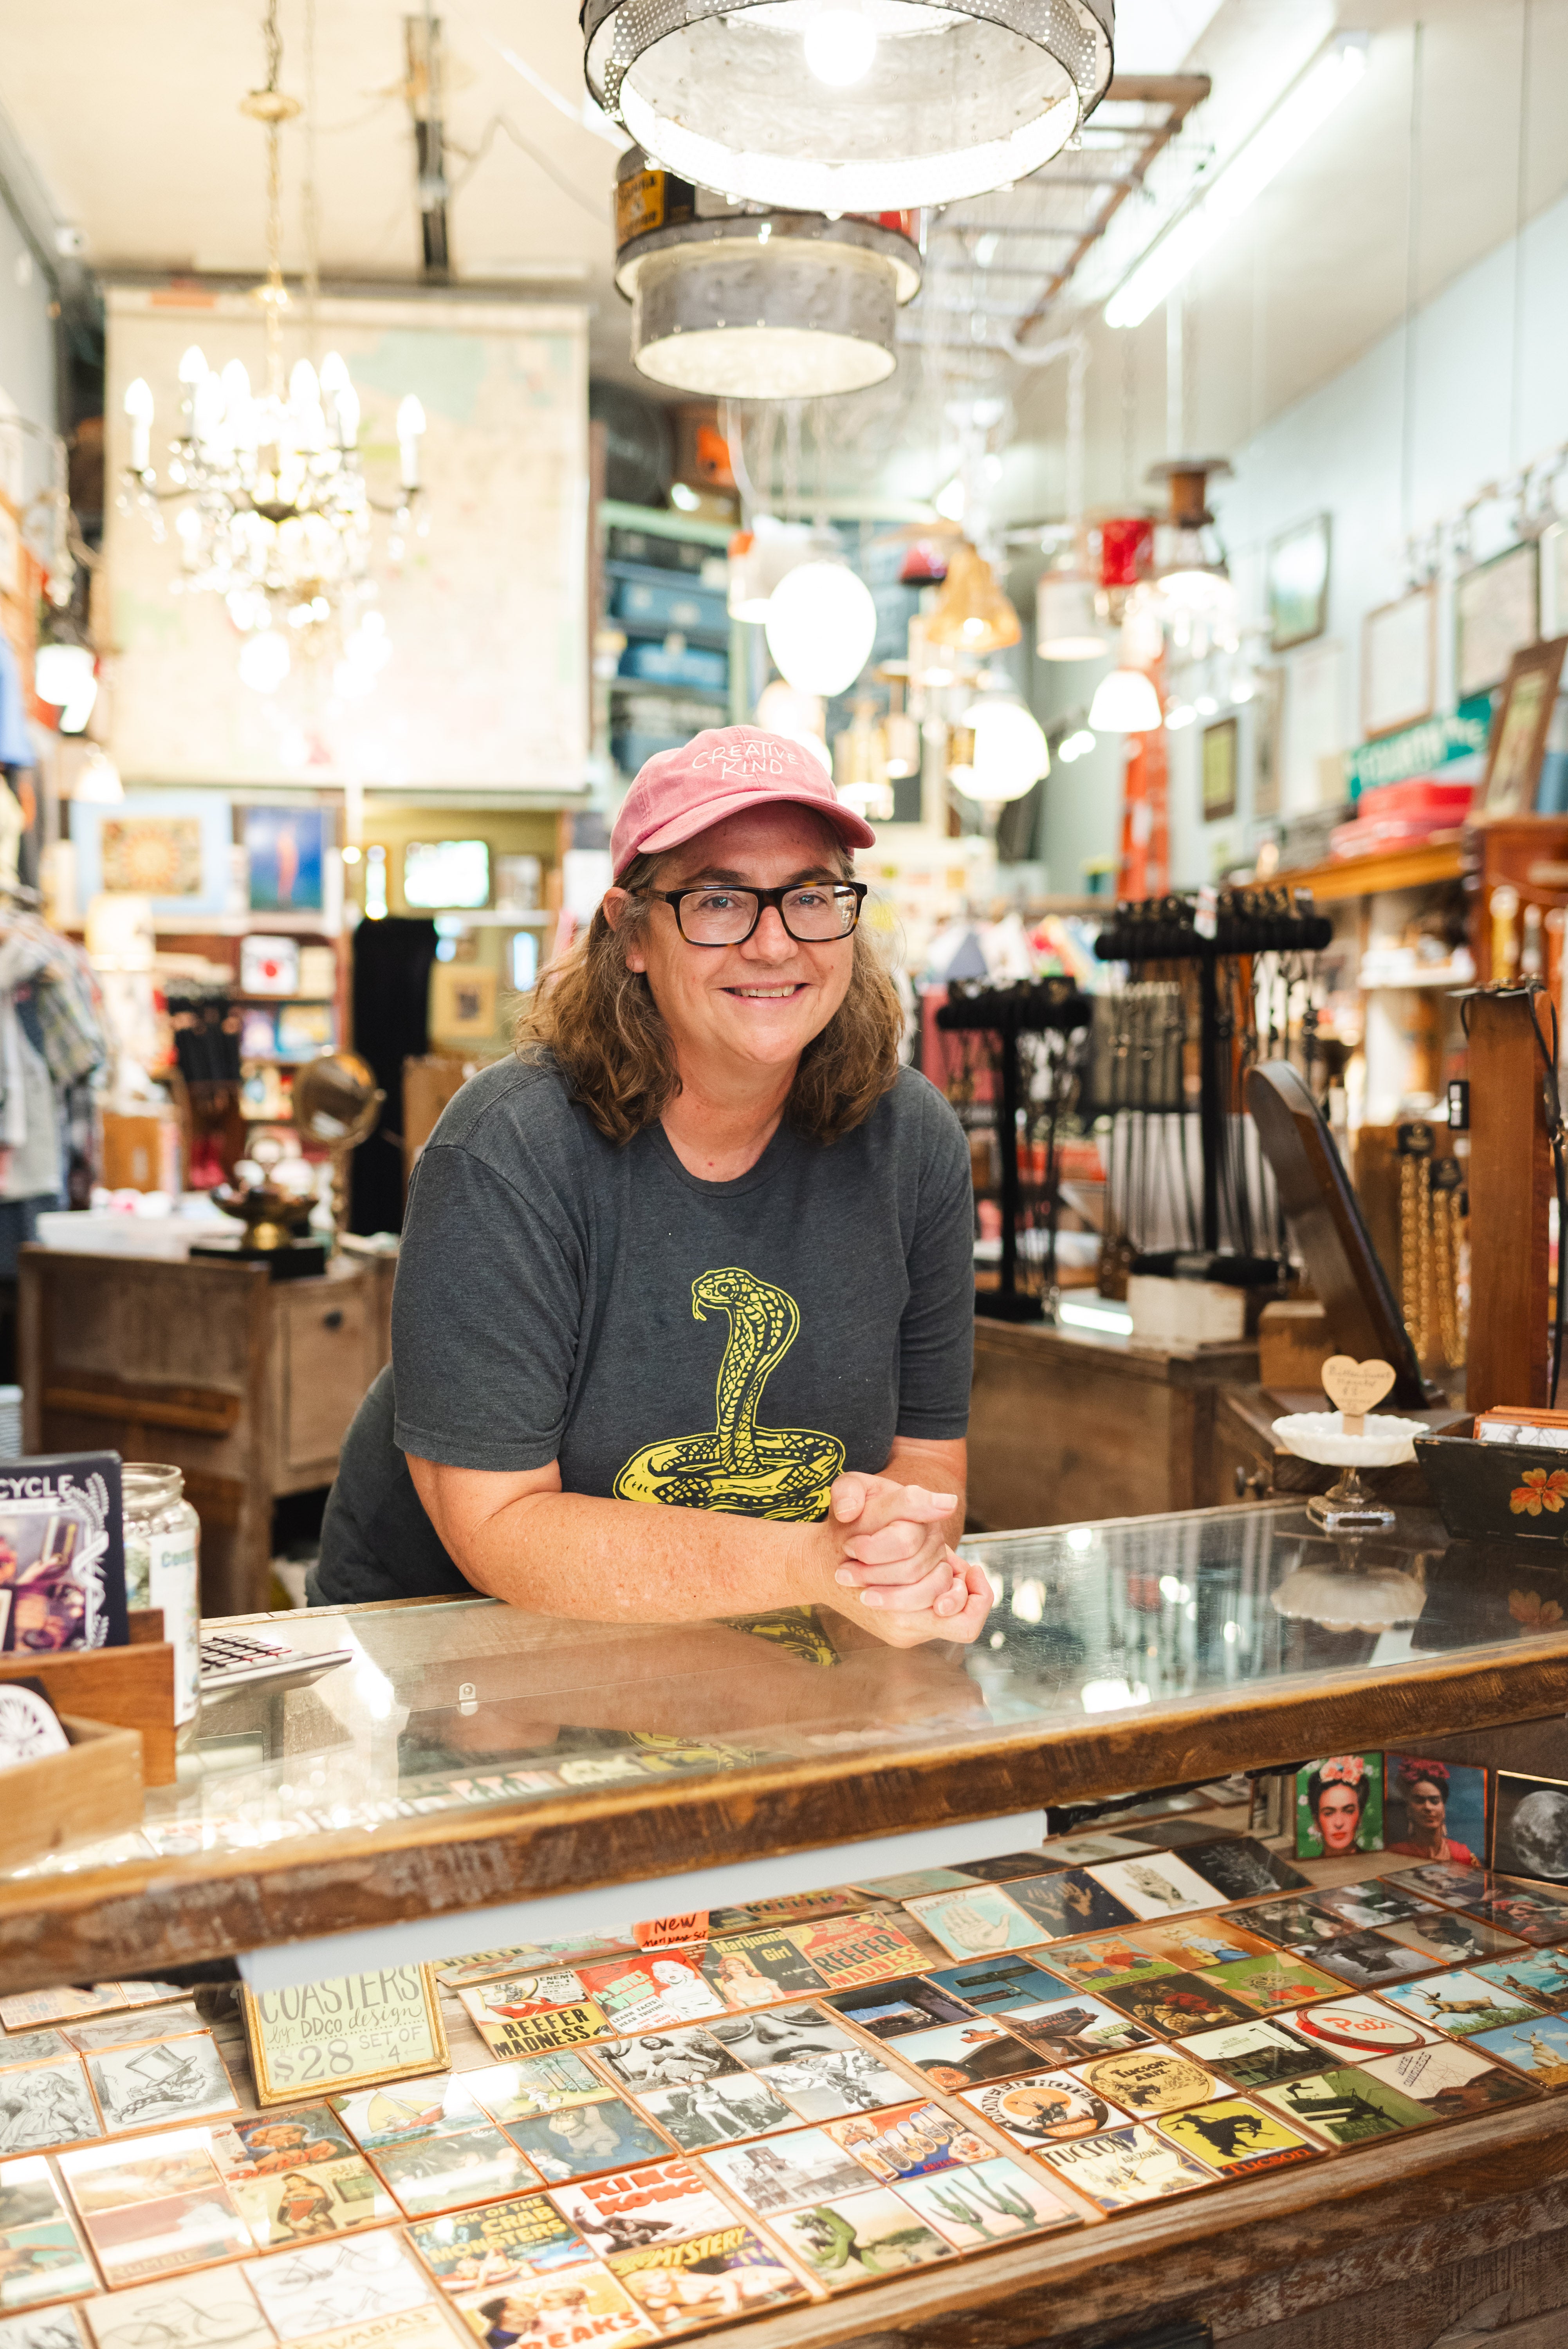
(753, 304)
(849, 106)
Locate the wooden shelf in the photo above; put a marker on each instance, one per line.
(1441, 858)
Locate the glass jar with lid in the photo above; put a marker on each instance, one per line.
(162, 1568)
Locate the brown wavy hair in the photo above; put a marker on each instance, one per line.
(602, 1024)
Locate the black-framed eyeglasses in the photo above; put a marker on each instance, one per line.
(812, 912)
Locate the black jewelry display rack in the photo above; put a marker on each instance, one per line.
(1005, 1015)
(1221, 933)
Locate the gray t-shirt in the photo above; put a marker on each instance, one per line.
(708, 1345)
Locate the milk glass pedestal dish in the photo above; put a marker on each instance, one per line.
(1347, 1507)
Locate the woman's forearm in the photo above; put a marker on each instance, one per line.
(620, 1561)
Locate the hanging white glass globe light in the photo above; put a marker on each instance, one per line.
(849, 106)
(1124, 702)
(821, 624)
(1010, 753)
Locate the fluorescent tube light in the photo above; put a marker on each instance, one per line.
(1303, 109)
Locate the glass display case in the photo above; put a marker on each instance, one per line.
(474, 1775)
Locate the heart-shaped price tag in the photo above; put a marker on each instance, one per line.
(1356, 1388)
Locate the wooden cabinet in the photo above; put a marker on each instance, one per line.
(245, 1384)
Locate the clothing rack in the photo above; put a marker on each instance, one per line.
(1219, 935)
(1005, 1015)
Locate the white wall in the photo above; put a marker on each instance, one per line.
(26, 354)
(1340, 450)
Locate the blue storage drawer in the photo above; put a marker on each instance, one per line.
(695, 665)
(677, 606)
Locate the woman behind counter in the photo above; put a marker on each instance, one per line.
(683, 1317)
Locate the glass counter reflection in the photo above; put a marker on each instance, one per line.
(452, 1707)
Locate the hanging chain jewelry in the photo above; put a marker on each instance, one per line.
(1424, 1247)
(1445, 1269)
(1410, 1255)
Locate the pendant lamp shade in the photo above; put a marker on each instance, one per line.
(821, 624)
(849, 106)
(1010, 754)
(1067, 626)
(1124, 702)
(972, 612)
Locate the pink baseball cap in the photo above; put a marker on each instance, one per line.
(720, 772)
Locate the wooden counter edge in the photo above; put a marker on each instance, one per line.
(175, 1912)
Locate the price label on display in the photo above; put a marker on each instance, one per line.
(352, 2031)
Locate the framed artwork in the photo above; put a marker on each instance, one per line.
(1298, 584)
(287, 849)
(1555, 580)
(1339, 1805)
(174, 848)
(1530, 1832)
(1220, 769)
(1519, 729)
(1434, 1810)
(1268, 738)
(352, 2033)
(463, 999)
(269, 966)
(1400, 664)
(1496, 615)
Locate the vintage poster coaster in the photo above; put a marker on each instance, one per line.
(965, 2055)
(1237, 2137)
(1239, 1868)
(1448, 1937)
(1345, 2108)
(1449, 2082)
(1045, 2108)
(667, 2201)
(786, 2034)
(1066, 1905)
(904, 2141)
(49, 2328)
(144, 2086)
(354, 2030)
(45, 2105)
(717, 2112)
(860, 2239)
(323, 2287)
(1370, 1961)
(180, 2315)
(1460, 2003)
(1196, 1944)
(850, 1951)
(1178, 2005)
(846, 2079)
(578, 2303)
(710, 2278)
(577, 2140)
(1273, 1982)
(1107, 1958)
(39, 2246)
(1088, 1850)
(762, 1969)
(996, 2201)
(1148, 2081)
(1541, 1975)
(1538, 2048)
(891, 2009)
(1127, 2166)
(781, 2173)
(476, 2250)
(1349, 2028)
(454, 2171)
(514, 2091)
(1068, 2030)
(1367, 1904)
(1156, 1886)
(978, 1918)
(650, 1992)
(152, 2209)
(398, 2114)
(1298, 1925)
(1255, 2054)
(999, 1985)
(656, 2059)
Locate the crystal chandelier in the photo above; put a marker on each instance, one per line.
(275, 515)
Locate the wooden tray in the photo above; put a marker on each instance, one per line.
(80, 1796)
(131, 1688)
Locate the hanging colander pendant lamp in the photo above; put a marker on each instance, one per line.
(849, 106)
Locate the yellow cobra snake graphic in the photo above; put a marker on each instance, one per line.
(751, 1471)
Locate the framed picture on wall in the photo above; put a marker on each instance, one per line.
(1298, 584)
(1496, 614)
(1268, 739)
(1220, 769)
(172, 847)
(1400, 664)
(286, 851)
(1555, 580)
(1519, 729)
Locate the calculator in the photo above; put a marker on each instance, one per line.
(236, 1659)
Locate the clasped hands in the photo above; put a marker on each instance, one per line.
(888, 1543)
